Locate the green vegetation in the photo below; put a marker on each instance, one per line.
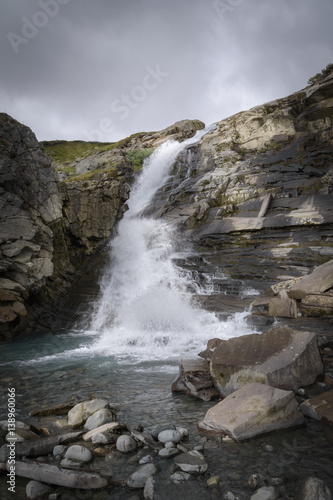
(63, 152)
(137, 156)
(324, 72)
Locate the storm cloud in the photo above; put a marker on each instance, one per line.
(104, 69)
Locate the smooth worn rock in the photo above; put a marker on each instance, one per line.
(168, 452)
(139, 477)
(59, 450)
(319, 407)
(100, 417)
(148, 491)
(266, 493)
(79, 453)
(52, 474)
(36, 490)
(253, 410)
(80, 412)
(320, 280)
(314, 488)
(192, 462)
(126, 444)
(282, 357)
(169, 435)
(109, 427)
(194, 378)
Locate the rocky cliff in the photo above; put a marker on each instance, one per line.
(55, 217)
(256, 193)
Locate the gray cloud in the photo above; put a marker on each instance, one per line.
(87, 70)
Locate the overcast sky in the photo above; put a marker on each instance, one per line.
(104, 69)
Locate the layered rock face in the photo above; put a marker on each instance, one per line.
(30, 208)
(47, 229)
(257, 191)
(53, 223)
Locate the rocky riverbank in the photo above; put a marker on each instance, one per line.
(84, 450)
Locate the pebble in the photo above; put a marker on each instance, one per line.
(169, 435)
(265, 493)
(59, 450)
(36, 490)
(192, 461)
(126, 444)
(79, 453)
(168, 452)
(169, 444)
(177, 477)
(139, 477)
(213, 481)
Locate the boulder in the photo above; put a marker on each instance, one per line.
(253, 410)
(52, 474)
(313, 488)
(320, 280)
(194, 378)
(317, 305)
(281, 357)
(319, 407)
(192, 462)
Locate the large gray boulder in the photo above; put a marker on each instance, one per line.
(194, 378)
(253, 410)
(320, 280)
(281, 357)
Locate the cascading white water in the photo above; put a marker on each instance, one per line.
(146, 310)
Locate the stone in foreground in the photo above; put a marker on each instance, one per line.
(51, 474)
(194, 378)
(253, 410)
(281, 357)
(319, 407)
(192, 462)
(320, 280)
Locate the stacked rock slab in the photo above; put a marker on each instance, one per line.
(254, 409)
(282, 357)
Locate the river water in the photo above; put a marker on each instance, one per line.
(145, 318)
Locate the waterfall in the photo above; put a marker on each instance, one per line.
(146, 310)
